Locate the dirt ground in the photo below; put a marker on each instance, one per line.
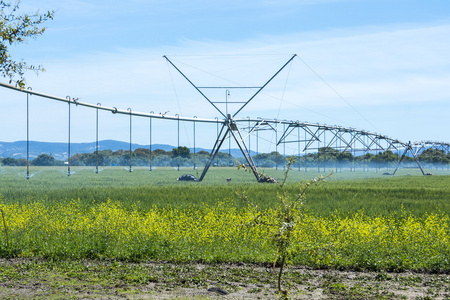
(38, 279)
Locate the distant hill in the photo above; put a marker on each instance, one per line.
(18, 149)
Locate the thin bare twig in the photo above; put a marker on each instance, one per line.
(6, 229)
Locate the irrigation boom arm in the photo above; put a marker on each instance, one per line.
(114, 110)
(232, 125)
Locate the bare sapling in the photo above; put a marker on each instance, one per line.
(289, 214)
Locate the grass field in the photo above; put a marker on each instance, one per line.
(64, 226)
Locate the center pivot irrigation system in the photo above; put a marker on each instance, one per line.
(305, 136)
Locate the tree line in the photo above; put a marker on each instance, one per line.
(332, 158)
(183, 157)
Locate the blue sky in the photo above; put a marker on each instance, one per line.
(377, 65)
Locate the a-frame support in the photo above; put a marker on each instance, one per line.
(410, 149)
(230, 127)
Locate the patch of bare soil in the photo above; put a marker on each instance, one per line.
(39, 279)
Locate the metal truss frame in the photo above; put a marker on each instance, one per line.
(313, 134)
(419, 147)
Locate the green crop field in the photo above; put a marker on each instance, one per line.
(345, 192)
(355, 220)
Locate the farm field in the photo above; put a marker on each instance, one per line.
(344, 192)
(157, 233)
